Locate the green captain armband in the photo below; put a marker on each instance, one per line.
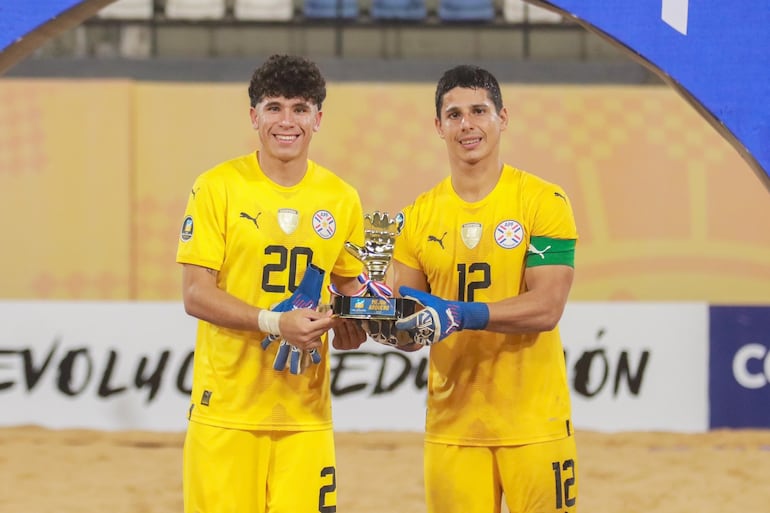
(548, 251)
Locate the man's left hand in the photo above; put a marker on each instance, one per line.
(440, 317)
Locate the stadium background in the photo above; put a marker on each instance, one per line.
(148, 99)
(98, 153)
(665, 208)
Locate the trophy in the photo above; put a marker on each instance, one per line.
(374, 305)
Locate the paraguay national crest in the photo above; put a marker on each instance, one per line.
(509, 234)
(324, 224)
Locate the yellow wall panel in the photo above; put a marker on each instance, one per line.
(65, 173)
(94, 176)
(180, 131)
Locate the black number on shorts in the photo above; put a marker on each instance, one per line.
(466, 289)
(564, 491)
(330, 488)
(285, 258)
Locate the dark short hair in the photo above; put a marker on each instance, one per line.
(289, 76)
(470, 77)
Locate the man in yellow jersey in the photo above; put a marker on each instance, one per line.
(260, 439)
(497, 244)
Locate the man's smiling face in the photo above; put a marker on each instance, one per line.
(285, 126)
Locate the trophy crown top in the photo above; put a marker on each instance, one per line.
(382, 220)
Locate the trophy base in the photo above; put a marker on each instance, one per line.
(365, 307)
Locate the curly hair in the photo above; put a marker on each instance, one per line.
(288, 76)
(470, 77)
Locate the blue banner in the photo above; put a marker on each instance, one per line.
(714, 52)
(19, 18)
(739, 367)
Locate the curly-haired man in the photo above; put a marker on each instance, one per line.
(259, 438)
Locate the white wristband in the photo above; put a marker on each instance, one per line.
(268, 321)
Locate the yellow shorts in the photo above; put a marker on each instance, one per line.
(232, 470)
(535, 478)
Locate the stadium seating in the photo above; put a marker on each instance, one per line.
(263, 10)
(128, 10)
(195, 9)
(411, 10)
(466, 10)
(518, 11)
(329, 9)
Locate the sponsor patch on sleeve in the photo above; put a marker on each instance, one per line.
(186, 232)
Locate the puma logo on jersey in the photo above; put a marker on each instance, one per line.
(541, 253)
(559, 195)
(252, 219)
(195, 191)
(440, 241)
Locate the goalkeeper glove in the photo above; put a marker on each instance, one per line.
(439, 318)
(294, 356)
(307, 295)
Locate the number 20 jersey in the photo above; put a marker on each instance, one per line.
(487, 388)
(260, 237)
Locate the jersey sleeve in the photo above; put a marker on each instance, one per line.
(202, 236)
(348, 265)
(405, 249)
(554, 233)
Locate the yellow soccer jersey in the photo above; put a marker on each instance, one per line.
(261, 236)
(488, 388)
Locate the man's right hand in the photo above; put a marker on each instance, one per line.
(303, 327)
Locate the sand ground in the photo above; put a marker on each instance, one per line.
(78, 471)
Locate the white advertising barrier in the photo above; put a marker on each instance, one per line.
(638, 366)
(127, 365)
(98, 365)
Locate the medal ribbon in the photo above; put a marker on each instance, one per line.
(375, 288)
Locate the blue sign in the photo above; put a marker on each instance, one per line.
(20, 18)
(739, 367)
(714, 52)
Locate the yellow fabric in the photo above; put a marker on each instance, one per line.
(260, 237)
(280, 472)
(533, 477)
(489, 388)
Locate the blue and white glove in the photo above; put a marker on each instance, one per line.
(439, 318)
(307, 295)
(293, 355)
